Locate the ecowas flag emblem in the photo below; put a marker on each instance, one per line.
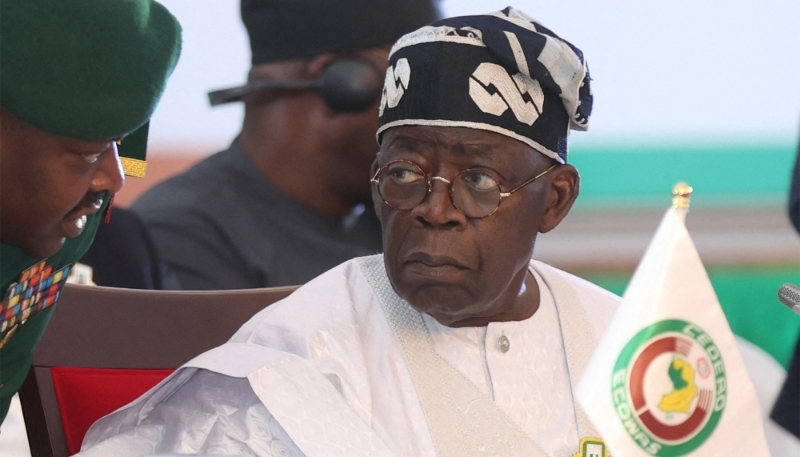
(669, 387)
(667, 379)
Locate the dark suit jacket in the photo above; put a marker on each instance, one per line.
(786, 411)
(794, 195)
(123, 255)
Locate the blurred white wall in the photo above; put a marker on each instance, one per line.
(707, 69)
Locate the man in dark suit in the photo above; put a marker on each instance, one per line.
(786, 411)
(290, 198)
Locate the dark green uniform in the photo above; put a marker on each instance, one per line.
(90, 70)
(16, 355)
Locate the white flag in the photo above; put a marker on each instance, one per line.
(667, 378)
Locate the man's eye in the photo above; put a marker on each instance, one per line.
(402, 175)
(92, 158)
(479, 180)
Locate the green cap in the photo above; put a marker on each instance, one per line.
(87, 69)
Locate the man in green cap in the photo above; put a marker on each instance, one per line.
(79, 80)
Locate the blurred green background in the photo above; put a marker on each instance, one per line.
(723, 174)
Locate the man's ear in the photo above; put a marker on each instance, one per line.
(565, 184)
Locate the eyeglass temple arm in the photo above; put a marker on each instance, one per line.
(506, 194)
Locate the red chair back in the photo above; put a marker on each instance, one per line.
(87, 394)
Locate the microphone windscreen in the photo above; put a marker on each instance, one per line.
(351, 85)
(789, 295)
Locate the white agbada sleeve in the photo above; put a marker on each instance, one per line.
(210, 414)
(304, 356)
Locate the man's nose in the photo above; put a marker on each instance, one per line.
(438, 208)
(109, 175)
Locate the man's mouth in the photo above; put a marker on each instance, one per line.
(90, 204)
(74, 222)
(434, 264)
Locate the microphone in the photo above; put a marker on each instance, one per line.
(789, 295)
(348, 85)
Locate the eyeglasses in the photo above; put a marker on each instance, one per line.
(403, 185)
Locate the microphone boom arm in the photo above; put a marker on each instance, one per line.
(235, 94)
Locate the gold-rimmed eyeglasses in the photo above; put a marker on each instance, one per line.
(403, 185)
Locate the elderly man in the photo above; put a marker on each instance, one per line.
(77, 79)
(454, 342)
(290, 198)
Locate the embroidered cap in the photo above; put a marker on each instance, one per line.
(87, 69)
(503, 72)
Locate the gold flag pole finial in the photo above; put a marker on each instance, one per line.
(681, 193)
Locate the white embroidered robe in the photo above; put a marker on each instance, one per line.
(321, 373)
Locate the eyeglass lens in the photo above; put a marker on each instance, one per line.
(403, 185)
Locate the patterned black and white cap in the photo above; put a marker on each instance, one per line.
(502, 72)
